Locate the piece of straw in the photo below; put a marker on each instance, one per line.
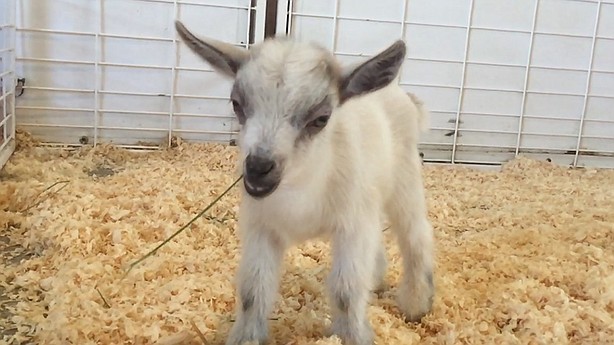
(153, 251)
(48, 195)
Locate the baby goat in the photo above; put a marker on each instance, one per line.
(325, 151)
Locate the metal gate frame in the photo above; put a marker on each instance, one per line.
(7, 81)
(89, 132)
(599, 153)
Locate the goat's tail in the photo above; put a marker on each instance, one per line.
(423, 112)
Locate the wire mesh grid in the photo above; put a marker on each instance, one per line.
(115, 71)
(7, 78)
(501, 78)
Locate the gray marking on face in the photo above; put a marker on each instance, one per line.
(321, 108)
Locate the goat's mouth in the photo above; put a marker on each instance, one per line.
(260, 187)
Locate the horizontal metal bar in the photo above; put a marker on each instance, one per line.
(115, 64)
(551, 117)
(5, 73)
(54, 31)
(490, 131)
(110, 64)
(3, 147)
(543, 134)
(440, 86)
(6, 50)
(436, 144)
(42, 88)
(124, 93)
(75, 62)
(512, 148)
(49, 125)
(132, 112)
(478, 113)
(602, 152)
(475, 88)
(589, 136)
(63, 146)
(437, 128)
(102, 34)
(5, 26)
(586, 119)
(481, 63)
(177, 130)
(6, 119)
(221, 98)
(118, 128)
(192, 3)
(58, 89)
(454, 26)
(228, 117)
(120, 111)
(25, 107)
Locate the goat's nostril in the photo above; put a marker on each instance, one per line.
(258, 165)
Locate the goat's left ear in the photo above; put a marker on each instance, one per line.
(375, 73)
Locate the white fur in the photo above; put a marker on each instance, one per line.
(368, 170)
(342, 183)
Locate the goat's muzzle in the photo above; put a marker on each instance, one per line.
(262, 175)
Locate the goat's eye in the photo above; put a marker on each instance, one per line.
(238, 111)
(319, 122)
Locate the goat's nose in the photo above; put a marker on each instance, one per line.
(258, 165)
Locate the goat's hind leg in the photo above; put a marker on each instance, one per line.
(408, 215)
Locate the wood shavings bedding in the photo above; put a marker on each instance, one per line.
(523, 255)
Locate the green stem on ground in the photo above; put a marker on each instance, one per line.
(153, 251)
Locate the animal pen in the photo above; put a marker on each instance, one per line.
(113, 135)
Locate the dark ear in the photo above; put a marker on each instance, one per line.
(222, 56)
(373, 74)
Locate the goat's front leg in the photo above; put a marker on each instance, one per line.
(257, 286)
(351, 279)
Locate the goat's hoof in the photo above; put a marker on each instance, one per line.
(381, 290)
(365, 336)
(244, 342)
(415, 310)
(246, 336)
(417, 304)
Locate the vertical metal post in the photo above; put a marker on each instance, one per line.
(462, 86)
(526, 79)
(97, 71)
(588, 85)
(171, 110)
(403, 20)
(334, 33)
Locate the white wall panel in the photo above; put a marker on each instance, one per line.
(115, 71)
(501, 77)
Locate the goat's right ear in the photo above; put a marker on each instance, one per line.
(224, 57)
(373, 74)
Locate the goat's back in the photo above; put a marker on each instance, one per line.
(375, 141)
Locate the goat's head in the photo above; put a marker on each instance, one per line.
(283, 95)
